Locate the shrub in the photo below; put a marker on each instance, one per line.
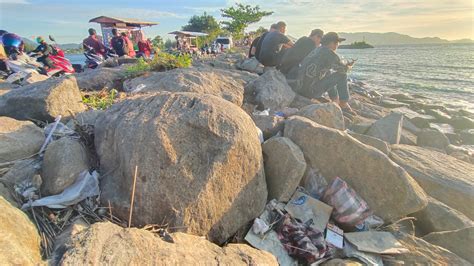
(137, 69)
(100, 100)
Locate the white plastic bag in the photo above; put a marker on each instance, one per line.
(86, 185)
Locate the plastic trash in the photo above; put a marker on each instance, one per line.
(314, 183)
(50, 133)
(61, 130)
(137, 88)
(264, 112)
(85, 186)
(371, 222)
(349, 208)
(260, 135)
(260, 227)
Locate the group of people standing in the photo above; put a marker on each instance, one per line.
(311, 64)
(120, 43)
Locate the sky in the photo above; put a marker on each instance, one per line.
(68, 20)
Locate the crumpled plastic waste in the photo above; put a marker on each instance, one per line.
(349, 208)
(61, 130)
(264, 112)
(85, 186)
(260, 227)
(260, 135)
(314, 183)
(135, 89)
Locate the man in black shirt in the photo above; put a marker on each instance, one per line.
(322, 71)
(119, 43)
(258, 42)
(274, 45)
(299, 51)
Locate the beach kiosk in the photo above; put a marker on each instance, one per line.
(187, 40)
(133, 27)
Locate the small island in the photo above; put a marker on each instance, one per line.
(356, 45)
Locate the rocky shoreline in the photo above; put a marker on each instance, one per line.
(205, 149)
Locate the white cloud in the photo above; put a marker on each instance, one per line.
(141, 13)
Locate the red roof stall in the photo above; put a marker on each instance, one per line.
(131, 26)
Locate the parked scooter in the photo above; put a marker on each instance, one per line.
(94, 60)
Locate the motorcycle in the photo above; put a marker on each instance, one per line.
(93, 60)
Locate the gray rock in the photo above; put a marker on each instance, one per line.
(18, 139)
(326, 114)
(198, 80)
(419, 120)
(199, 162)
(460, 242)
(19, 238)
(101, 79)
(443, 177)
(388, 128)
(23, 170)
(433, 139)
(110, 244)
(390, 192)
(410, 126)
(371, 141)
(440, 116)
(64, 160)
(360, 128)
(402, 96)
(408, 138)
(438, 216)
(462, 122)
(252, 65)
(284, 167)
(270, 125)
(270, 91)
(467, 137)
(392, 103)
(43, 100)
(421, 252)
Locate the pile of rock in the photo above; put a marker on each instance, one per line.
(192, 135)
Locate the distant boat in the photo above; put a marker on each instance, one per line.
(356, 45)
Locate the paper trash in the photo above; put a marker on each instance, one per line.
(309, 210)
(375, 242)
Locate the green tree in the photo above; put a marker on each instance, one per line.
(170, 44)
(241, 16)
(203, 23)
(157, 41)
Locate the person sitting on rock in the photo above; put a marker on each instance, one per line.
(131, 49)
(274, 46)
(259, 40)
(295, 55)
(119, 44)
(323, 71)
(93, 42)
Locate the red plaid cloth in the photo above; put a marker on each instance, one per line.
(301, 241)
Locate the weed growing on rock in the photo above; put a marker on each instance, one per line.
(100, 100)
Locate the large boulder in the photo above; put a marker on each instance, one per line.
(284, 167)
(432, 138)
(270, 91)
(101, 79)
(371, 141)
(19, 239)
(438, 216)
(18, 139)
(419, 120)
(326, 114)
(43, 100)
(199, 162)
(462, 122)
(421, 252)
(199, 80)
(251, 65)
(64, 160)
(109, 244)
(388, 129)
(460, 242)
(443, 177)
(467, 137)
(270, 125)
(386, 187)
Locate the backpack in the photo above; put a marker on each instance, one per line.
(119, 45)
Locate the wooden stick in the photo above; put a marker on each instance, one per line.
(133, 196)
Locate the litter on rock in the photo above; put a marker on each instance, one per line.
(85, 186)
(375, 242)
(309, 210)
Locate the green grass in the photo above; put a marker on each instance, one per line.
(100, 100)
(161, 62)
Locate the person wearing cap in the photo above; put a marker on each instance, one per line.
(93, 42)
(44, 49)
(259, 40)
(274, 45)
(322, 71)
(293, 57)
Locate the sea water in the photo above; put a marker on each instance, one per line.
(442, 72)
